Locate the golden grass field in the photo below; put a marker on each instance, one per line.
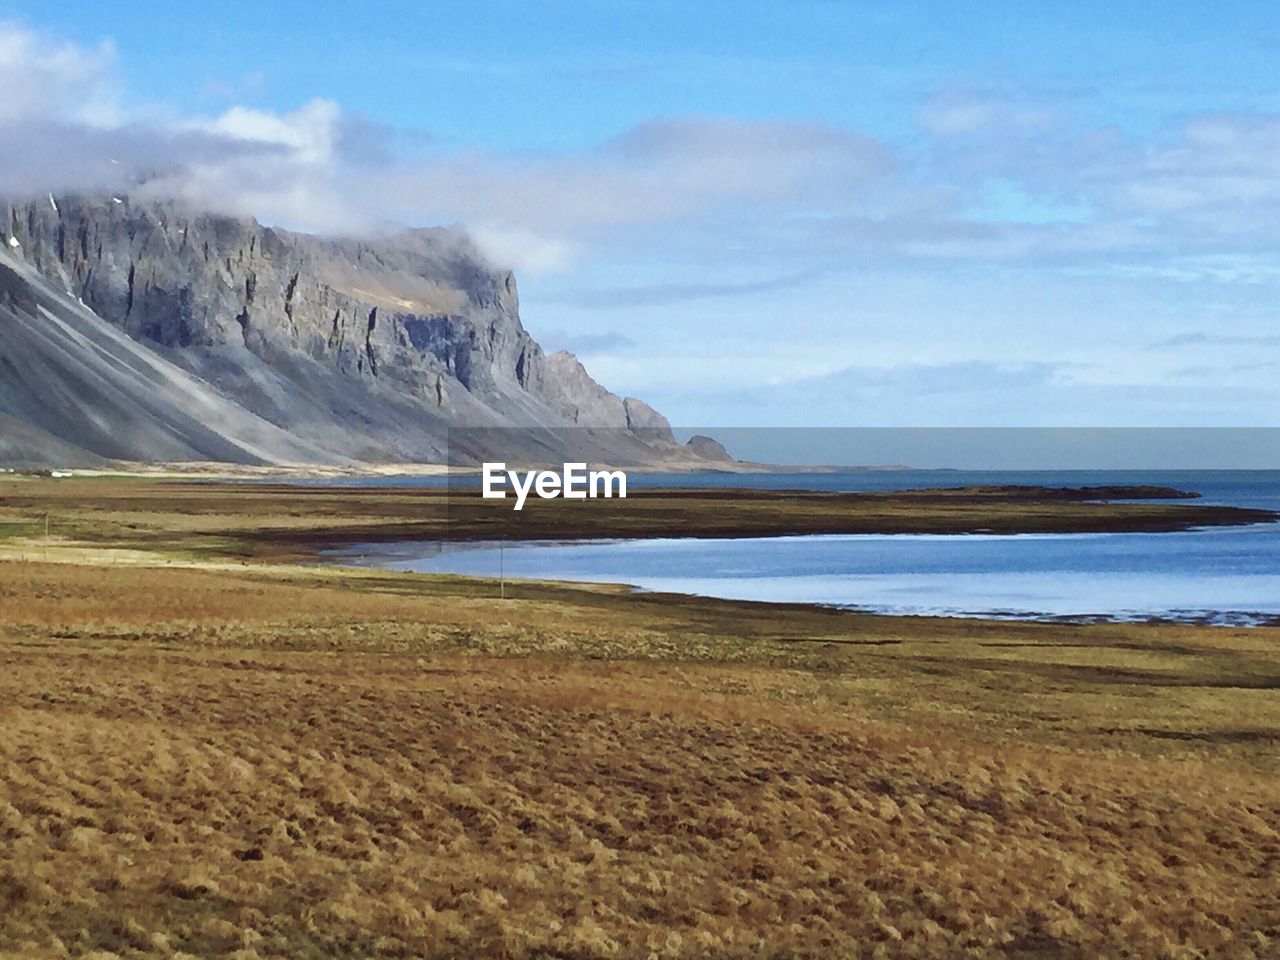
(251, 761)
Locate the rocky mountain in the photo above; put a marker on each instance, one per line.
(148, 331)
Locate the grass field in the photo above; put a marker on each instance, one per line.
(253, 760)
(317, 764)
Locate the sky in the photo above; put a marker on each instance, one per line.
(750, 214)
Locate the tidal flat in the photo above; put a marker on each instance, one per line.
(210, 751)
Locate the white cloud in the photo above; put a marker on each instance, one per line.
(521, 249)
(964, 112)
(316, 168)
(1216, 163)
(309, 133)
(656, 173)
(43, 77)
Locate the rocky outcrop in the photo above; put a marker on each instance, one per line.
(579, 398)
(642, 419)
(584, 402)
(359, 348)
(708, 448)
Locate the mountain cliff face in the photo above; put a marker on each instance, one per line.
(584, 402)
(345, 348)
(75, 390)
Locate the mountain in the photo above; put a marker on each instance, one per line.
(150, 331)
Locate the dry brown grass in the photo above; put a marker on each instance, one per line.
(277, 520)
(320, 764)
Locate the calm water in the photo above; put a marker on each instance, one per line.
(1221, 575)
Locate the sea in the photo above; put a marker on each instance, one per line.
(1228, 576)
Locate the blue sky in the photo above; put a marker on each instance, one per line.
(527, 75)
(811, 213)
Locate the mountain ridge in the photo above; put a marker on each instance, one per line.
(328, 349)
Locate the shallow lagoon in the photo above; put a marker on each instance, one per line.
(1222, 575)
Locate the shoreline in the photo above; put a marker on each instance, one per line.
(222, 525)
(89, 555)
(82, 555)
(719, 513)
(299, 521)
(1215, 618)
